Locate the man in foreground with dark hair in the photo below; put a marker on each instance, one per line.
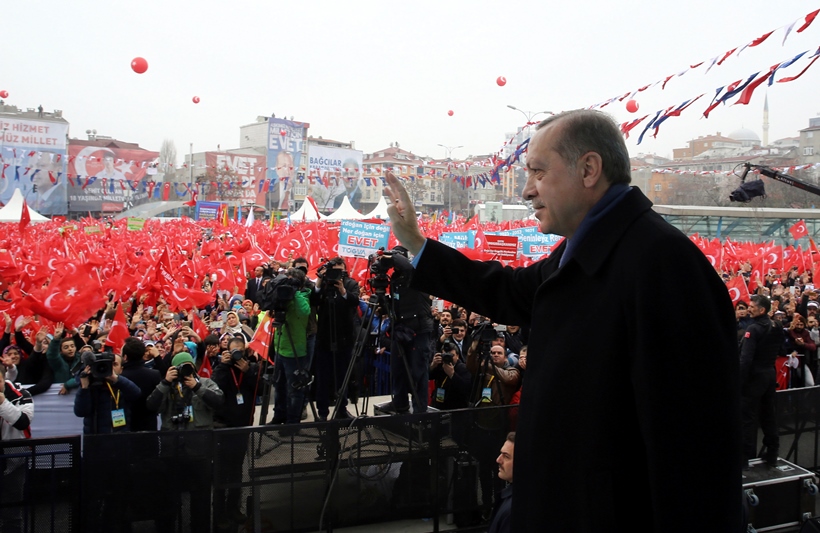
(500, 522)
(667, 419)
(147, 379)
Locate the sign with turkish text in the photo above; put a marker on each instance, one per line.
(237, 177)
(33, 159)
(361, 239)
(334, 173)
(503, 246)
(206, 210)
(135, 224)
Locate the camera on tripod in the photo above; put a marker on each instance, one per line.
(379, 264)
(101, 365)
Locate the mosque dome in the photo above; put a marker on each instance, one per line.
(745, 136)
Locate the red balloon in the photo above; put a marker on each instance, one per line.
(4, 94)
(139, 65)
(283, 132)
(450, 112)
(632, 106)
(501, 81)
(196, 99)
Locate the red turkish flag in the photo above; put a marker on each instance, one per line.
(262, 337)
(199, 326)
(799, 229)
(737, 289)
(479, 241)
(205, 370)
(119, 331)
(178, 297)
(25, 217)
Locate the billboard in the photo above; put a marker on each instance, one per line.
(235, 178)
(107, 179)
(33, 158)
(335, 173)
(286, 142)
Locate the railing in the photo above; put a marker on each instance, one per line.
(305, 477)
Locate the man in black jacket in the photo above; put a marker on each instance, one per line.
(335, 298)
(236, 376)
(147, 379)
(644, 414)
(411, 335)
(452, 379)
(761, 344)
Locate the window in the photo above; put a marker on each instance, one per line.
(658, 187)
(809, 134)
(300, 190)
(808, 150)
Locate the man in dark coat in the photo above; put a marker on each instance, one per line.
(762, 343)
(659, 407)
(147, 379)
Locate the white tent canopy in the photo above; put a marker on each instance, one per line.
(307, 212)
(380, 211)
(14, 210)
(345, 212)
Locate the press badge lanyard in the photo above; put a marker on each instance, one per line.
(117, 414)
(487, 393)
(239, 398)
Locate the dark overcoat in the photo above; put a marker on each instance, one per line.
(630, 415)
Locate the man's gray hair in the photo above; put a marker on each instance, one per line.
(587, 130)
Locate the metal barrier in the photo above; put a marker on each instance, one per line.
(305, 477)
(798, 417)
(39, 489)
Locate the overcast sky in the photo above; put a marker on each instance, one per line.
(376, 72)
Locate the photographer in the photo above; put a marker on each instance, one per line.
(336, 299)
(104, 399)
(235, 374)
(452, 379)
(291, 366)
(133, 368)
(411, 337)
(184, 400)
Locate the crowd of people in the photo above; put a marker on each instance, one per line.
(180, 371)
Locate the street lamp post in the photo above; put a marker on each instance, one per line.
(530, 114)
(448, 151)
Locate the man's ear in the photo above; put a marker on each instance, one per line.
(590, 168)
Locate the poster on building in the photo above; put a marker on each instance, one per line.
(33, 159)
(235, 178)
(108, 179)
(286, 142)
(333, 174)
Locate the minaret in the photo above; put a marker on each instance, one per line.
(766, 121)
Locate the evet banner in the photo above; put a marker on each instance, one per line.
(361, 239)
(235, 177)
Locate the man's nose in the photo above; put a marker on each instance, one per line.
(529, 191)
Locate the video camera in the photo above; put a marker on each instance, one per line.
(277, 294)
(379, 264)
(101, 365)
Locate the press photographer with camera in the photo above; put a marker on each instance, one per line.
(105, 397)
(336, 298)
(16, 414)
(291, 365)
(452, 379)
(235, 374)
(184, 400)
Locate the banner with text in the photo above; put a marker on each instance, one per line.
(235, 178)
(360, 239)
(33, 159)
(335, 173)
(286, 143)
